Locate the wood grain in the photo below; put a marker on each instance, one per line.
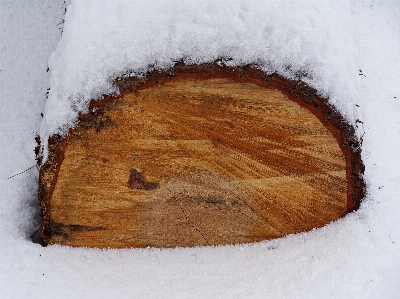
(191, 162)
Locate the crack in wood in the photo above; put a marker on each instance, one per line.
(187, 218)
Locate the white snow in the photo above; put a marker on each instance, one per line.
(355, 257)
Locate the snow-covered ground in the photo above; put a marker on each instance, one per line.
(350, 51)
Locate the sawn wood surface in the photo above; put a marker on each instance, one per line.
(194, 161)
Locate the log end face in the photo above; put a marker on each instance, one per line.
(194, 158)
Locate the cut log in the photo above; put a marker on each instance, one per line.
(200, 155)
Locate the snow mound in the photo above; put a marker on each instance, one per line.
(106, 39)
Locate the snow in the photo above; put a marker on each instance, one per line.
(287, 37)
(357, 256)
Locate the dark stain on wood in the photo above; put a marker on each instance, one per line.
(138, 181)
(68, 231)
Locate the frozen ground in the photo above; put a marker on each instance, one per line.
(333, 41)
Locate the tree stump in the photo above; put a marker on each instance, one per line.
(200, 155)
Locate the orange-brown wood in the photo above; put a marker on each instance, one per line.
(193, 161)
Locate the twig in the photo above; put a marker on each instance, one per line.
(35, 232)
(21, 172)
